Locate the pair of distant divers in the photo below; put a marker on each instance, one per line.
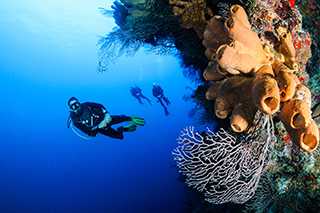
(157, 92)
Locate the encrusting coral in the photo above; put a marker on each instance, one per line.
(247, 76)
(134, 9)
(193, 14)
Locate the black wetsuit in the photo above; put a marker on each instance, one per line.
(91, 115)
(157, 92)
(136, 92)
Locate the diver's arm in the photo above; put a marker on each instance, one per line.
(104, 123)
(101, 110)
(107, 119)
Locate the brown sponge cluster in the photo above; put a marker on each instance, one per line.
(246, 77)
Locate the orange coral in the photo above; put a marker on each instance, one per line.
(247, 76)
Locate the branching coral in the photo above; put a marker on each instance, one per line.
(246, 76)
(153, 25)
(224, 166)
(143, 23)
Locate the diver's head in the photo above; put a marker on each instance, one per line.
(154, 84)
(74, 105)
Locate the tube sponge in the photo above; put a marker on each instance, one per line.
(247, 76)
(265, 91)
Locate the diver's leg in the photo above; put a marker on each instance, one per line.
(112, 133)
(165, 108)
(119, 119)
(161, 103)
(139, 99)
(165, 99)
(142, 96)
(166, 111)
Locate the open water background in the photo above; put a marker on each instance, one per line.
(48, 53)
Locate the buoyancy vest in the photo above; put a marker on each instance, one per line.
(89, 117)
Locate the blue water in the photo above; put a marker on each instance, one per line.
(48, 53)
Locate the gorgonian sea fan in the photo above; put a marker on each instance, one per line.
(226, 166)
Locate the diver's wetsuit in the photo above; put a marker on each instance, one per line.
(157, 92)
(136, 92)
(91, 115)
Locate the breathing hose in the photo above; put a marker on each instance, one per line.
(78, 133)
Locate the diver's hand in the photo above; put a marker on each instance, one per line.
(95, 128)
(107, 119)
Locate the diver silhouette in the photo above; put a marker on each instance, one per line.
(93, 118)
(157, 92)
(136, 92)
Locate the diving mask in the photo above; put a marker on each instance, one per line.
(75, 106)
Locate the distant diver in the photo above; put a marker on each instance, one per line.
(93, 118)
(136, 92)
(157, 92)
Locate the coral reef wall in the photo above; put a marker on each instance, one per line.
(249, 67)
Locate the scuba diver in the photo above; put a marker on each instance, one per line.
(157, 92)
(92, 118)
(136, 92)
